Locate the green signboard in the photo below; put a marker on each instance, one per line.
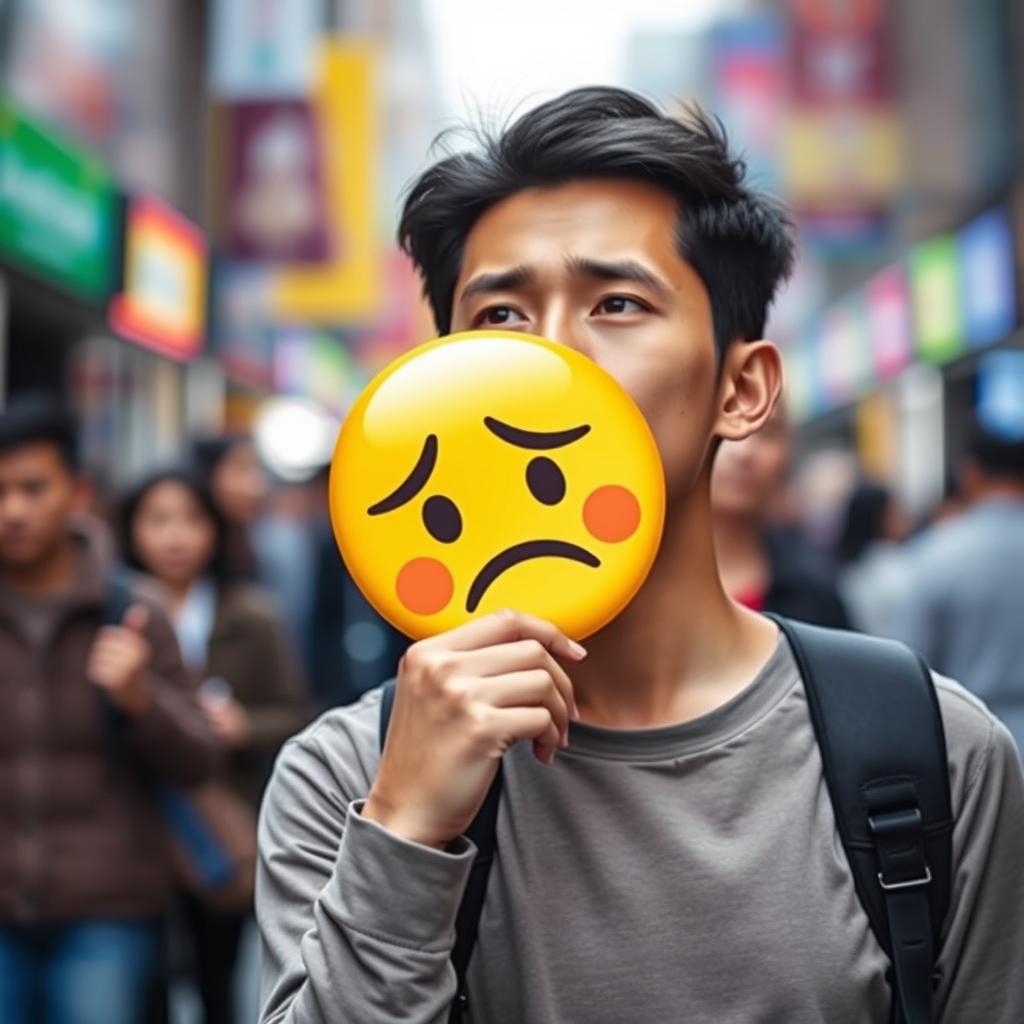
(935, 289)
(57, 208)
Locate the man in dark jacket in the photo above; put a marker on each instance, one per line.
(94, 717)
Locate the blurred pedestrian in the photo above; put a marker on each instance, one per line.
(230, 470)
(94, 712)
(764, 566)
(967, 612)
(250, 682)
(871, 559)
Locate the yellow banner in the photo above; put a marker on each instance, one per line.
(348, 287)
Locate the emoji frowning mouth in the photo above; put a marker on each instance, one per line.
(521, 553)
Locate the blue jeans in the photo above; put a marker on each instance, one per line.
(87, 972)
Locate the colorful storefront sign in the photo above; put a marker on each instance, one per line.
(935, 288)
(348, 286)
(1001, 393)
(888, 312)
(163, 304)
(987, 290)
(58, 209)
(843, 357)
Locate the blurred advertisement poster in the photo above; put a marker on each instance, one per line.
(275, 203)
(346, 288)
(748, 88)
(842, 145)
(263, 49)
(888, 304)
(242, 323)
(987, 288)
(316, 364)
(67, 63)
(163, 304)
(935, 290)
(58, 208)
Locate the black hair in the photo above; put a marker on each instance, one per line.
(40, 419)
(208, 452)
(218, 567)
(997, 456)
(865, 520)
(738, 241)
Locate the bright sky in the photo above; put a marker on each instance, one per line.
(494, 55)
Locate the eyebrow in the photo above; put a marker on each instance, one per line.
(413, 483)
(536, 440)
(617, 270)
(502, 280)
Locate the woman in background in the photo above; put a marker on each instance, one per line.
(251, 688)
(230, 471)
(871, 560)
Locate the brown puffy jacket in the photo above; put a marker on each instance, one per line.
(81, 835)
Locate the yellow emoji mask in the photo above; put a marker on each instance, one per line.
(491, 470)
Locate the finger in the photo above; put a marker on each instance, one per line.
(528, 724)
(517, 656)
(504, 627)
(532, 688)
(136, 618)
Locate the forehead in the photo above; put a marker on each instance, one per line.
(604, 218)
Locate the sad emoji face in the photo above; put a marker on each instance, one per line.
(496, 470)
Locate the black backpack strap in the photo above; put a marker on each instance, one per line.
(877, 721)
(483, 832)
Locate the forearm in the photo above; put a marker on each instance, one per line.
(379, 942)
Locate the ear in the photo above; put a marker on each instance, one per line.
(748, 388)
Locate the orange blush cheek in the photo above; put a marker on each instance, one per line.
(611, 513)
(424, 586)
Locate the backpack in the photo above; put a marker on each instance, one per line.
(876, 719)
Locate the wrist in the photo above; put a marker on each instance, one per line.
(403, 826)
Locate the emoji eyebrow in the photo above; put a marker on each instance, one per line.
(541, 440)
(413, 483)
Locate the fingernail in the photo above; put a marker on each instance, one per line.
(578, 651)
(575, 712)
(563, 741)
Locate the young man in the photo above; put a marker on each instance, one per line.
(766, 567)
(678, 860)
(93, 716)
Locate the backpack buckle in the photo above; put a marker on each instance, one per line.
(913, 883)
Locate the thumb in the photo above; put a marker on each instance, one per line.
(136, 618)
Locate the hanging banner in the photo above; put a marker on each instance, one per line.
(348, 286)
(987, 289)
(888, 311)
(262, 49)
(274, 201)
(935, 289)
(163, 304)
(58, 208)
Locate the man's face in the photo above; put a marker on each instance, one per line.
(748, 474)
(594, 265)
(38, 493)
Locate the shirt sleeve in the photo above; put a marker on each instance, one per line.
(979, 962)
(356, 924)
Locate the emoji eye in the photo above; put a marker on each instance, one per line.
(545, 480)
(442, 519)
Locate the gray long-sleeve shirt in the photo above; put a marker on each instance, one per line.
(689, 873)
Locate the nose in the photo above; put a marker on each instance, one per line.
(558, 324)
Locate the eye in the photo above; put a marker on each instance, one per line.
(498, 316)
(545, 480)
(616, 305)
(442, 519)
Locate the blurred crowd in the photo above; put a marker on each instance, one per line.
(158, 647)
